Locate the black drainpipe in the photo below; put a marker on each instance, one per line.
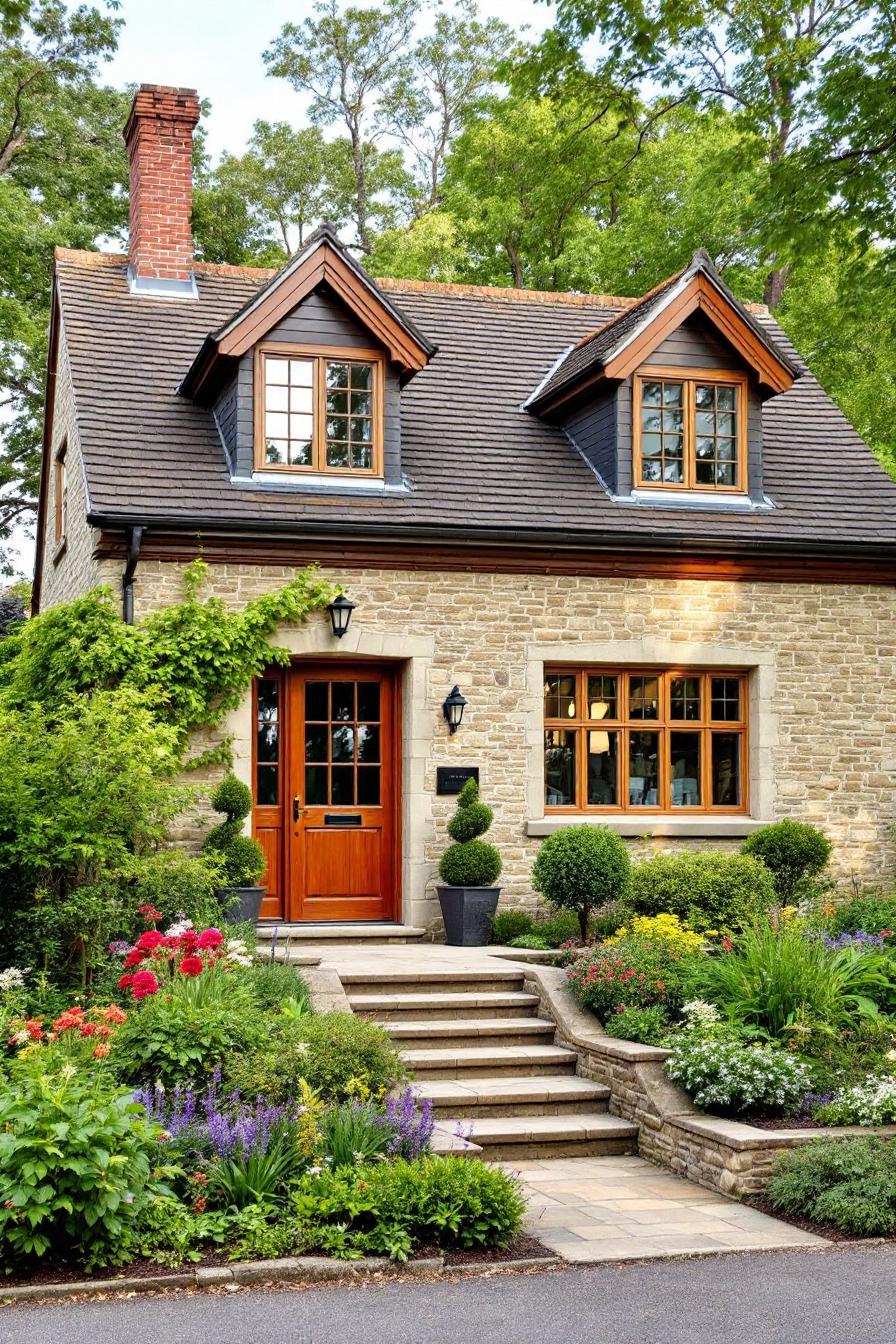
(135, 540)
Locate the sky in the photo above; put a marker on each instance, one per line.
(215, 47)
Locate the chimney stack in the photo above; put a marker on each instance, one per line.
(159, 138)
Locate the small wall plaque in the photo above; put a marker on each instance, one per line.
(450, 779)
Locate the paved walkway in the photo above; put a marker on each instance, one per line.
(593, 1209)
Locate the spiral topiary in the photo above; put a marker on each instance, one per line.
(470, 862)
(242, 857)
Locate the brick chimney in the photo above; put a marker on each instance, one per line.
(159, 137)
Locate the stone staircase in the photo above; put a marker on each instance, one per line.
(488, 1063)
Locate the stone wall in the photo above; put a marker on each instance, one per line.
(822, 659)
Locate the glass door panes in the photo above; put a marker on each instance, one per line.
(267, 742)
(343, 762)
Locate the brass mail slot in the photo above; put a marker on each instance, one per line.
(341, 819)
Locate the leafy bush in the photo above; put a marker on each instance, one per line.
(532, 941)
(241, 856)
(582, 867)
(633, 973)
(274, 983)
(727, 1076)
(872, 1102)
(558, 928)
(338, 1054)
(650, 1025)
(792, 851)
(169, 1232)
(177, 884)
(354, 1131)
(850, 1183)
(869, 912)
(75, 1166)
(710, 891)
(782, 982)
(173, 1039)
(509, 924)
(606, 919)
(470, 862)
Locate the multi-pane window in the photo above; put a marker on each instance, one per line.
(689, 432)
(61, 496)
(267, 742)
(641, 741)
(343, 765)
(317, 413)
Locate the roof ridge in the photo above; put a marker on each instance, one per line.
(505, 292)
(645, 298)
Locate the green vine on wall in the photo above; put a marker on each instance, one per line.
(192, 661)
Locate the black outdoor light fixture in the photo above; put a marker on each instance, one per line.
(340, 610)
(453, 709)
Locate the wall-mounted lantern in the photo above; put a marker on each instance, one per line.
(340, 610)
(453, 709)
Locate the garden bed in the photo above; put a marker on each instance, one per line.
(826, 1230)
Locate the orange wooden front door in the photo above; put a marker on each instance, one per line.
(341, 800)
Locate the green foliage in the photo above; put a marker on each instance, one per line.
(170, 1233)
(258, 1177)
(869, 912)
(354, 1132)
(233, 798)
(850, 1183)
(242, 857)
(532, 941)
(634, 972)
(470, 862)
(338, 1054)
(175, 882)
(648, 1025)
(582, 867)
(509, 924)
(789, 986)
(75, 1166)
(258, 1237)
(274, 983)
(561, 927)
(709, 891)
(607, 918)
(174, 1038)
(792, 851)
(737, 1079)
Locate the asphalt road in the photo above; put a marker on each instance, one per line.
(796, 1297)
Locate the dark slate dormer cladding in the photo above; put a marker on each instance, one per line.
(323, 321)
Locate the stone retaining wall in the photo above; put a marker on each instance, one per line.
(725, 1155)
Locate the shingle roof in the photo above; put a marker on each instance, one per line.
(478, 465)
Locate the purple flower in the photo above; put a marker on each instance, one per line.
(119, 949)
(413, 1128)
(855, 939)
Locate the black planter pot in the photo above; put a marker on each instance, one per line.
(467, 913)
(241, 904)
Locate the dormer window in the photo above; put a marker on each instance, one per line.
(690, 432)
(319, 412)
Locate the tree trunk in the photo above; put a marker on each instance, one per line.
(583, 913)
(775, 285)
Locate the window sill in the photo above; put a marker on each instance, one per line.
(725, 502)
(676, 828)
(60, 550)
(294, 483)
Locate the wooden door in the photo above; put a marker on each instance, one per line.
(341, 819)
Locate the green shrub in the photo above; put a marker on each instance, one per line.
(241, 856)
(850, 1183)
(736, 1079)
(76, 1159)
(275, 982)
(650, 1025)
(709, 891)
(338, 1054)
(783, 983)
(354, 1132)
(470, 862)
(171, 1233)
(582, 867)
(871, 1102)
(509, 924)
(173, 1039)
(532, 941)
(792, 851)
(607, 918)
(869, 912)
(633, 972)
(176, 883)
(261, 1174)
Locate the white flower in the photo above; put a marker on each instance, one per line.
(180, 926)
(13, 978)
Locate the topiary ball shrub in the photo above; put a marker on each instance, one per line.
(470, 862)
(241, 856)
(850, 1183)
(792, 851)
(582, 867)
(709, 891)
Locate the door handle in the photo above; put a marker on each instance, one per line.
(296, 807)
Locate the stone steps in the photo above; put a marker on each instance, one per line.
(490, 1061)
(479, 1098)
(471, 1031)
(305, 936)
(520, 1137)
(437, 983)
(456, 1006)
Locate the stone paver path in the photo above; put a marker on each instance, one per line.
(623, 1208)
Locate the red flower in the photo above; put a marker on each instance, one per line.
(34, 1029)
(150, 940)
(886, 933)
(191, 966)
(125, 981)
(143, 984)
(88, 1029)
(114, 1014)
(101, 1052)
(134, 957)
(727, 944)
(189, 940)
(210, 938)
(150, 913)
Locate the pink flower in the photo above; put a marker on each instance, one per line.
(143, 984)
(133, 958)
(125, 981)
(191, 966)
(210, 938)
(150, 940)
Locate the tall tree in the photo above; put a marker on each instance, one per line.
(347, 61)
(63, 175)
(761, 58)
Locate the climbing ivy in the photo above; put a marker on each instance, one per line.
(192, 661)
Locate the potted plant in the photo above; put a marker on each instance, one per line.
(241, 857)
(469, 869)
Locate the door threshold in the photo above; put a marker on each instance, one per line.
(381, 931)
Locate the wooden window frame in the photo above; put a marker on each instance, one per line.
(689, 378)
(60, 494)
(320, 358)
(664, 724)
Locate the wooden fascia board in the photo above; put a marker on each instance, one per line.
(701, 294)
(324, 264)
(49, 409)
